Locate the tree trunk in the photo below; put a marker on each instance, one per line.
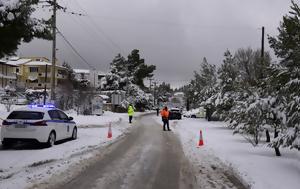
(256, 135)
(277, 151)
(276, 148)
(268, 136)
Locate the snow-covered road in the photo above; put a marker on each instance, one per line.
(147, 158)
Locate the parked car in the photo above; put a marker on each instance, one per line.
(175, 113)
(44, 124)
(200, 113)
(196, 113)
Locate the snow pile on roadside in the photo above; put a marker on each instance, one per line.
(24, 165)
(93, 120)
(191, 112)
(258, 166)
(4, 113)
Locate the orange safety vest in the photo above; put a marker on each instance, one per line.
(164, 114)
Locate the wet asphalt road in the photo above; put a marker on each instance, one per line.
(146, 158)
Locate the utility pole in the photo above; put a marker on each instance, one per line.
(263, 43)
(45, 89)
(53, 51)
(154, 94)
(262, 49)
(150, 79)
(94, 78)
(262, 62)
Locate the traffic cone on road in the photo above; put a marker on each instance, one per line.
(109, 134)
(201, 143)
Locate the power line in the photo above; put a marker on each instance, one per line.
(73, 48)
(93, 32)
(99, 29)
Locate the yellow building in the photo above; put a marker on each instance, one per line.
(32, 71)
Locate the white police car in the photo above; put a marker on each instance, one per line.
(42, 123)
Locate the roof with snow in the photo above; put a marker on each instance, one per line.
(179, 93)
(38, 63)
(5, 63)
(81, 71)
(101, 73)
(104, 96)
(14, 61)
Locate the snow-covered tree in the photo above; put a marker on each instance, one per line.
(286, 46)
(139, 98)
(128, 75)
(17, 25)
(138, 69)
(202, 86)
(227, 75)
(118, 77)
(163, 92)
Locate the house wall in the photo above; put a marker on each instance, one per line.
(40, 75)
(7, 75)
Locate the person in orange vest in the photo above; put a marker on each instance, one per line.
(165, 118)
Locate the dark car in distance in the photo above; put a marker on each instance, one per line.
(175, 113)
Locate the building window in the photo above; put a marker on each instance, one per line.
(34, 81)
(33, 69)
(17, 70)
(81, 75)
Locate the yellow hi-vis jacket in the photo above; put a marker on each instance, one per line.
(130, 111)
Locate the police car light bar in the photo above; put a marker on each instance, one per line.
(41, 106)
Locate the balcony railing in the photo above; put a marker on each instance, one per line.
(8, 76)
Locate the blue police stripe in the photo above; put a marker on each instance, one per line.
(60, 121)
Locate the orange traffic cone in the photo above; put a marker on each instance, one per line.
(109, 134)
(201, 143)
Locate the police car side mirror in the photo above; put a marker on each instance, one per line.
(70, 118)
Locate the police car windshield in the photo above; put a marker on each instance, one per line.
(28, 115)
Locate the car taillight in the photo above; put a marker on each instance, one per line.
(6, 122)
(39, 123)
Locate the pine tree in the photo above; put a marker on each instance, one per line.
(128, 75)
(164, 92)
(17, 25)
(227, 75)
(118, 77)
(138, 69)
(286, 46)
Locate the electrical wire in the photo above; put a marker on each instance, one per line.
(98, 28)
(74, 49)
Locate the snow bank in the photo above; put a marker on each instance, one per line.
(256, 165)
(28, 164)
(93, 120)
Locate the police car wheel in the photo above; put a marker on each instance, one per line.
(74, 134)
(6, 144)
(51, 139)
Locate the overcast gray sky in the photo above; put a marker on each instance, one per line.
(174, 35)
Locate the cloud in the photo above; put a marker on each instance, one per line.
(172, 34)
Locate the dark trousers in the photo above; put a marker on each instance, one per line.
(130, 119)
(166, 122)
